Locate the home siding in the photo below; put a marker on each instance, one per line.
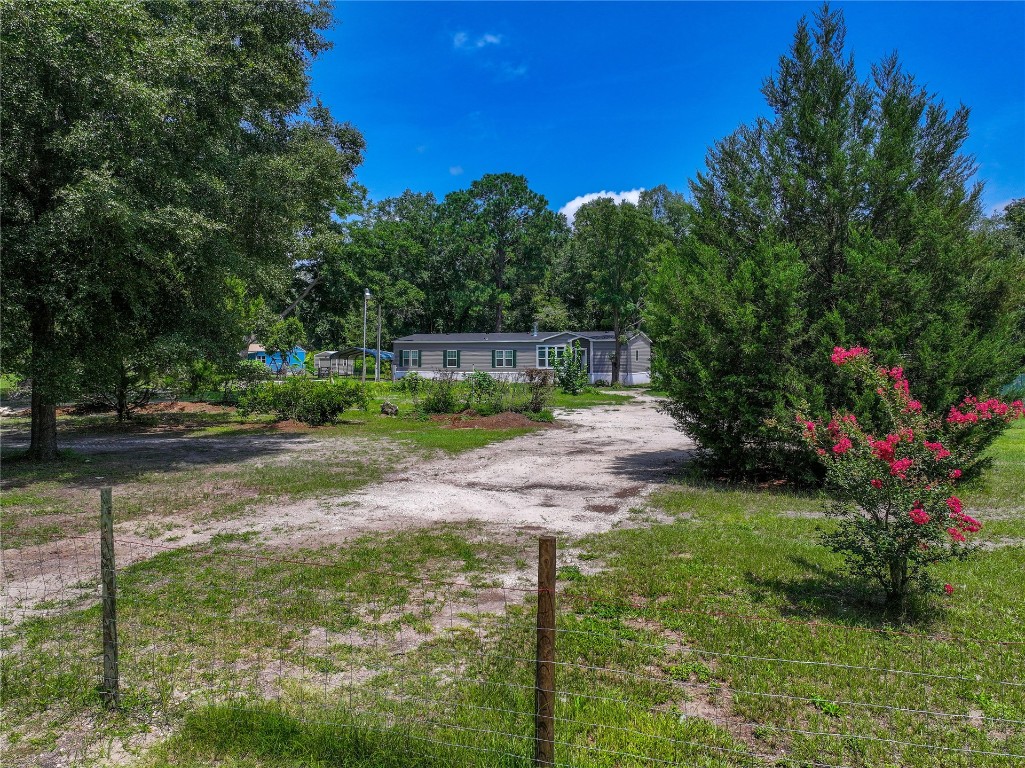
(601, 360)
(474, 356)
(637, 361)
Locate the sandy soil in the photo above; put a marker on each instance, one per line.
(585, 477)
(581, 479)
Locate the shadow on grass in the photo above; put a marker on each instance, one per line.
(269, 734)
(100, 460)
(828, 594)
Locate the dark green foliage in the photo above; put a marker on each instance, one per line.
(610, 247)
(484, 393)
(440, 395)
(571, 371)
(544, 416)
(847, 217)
(299, 398)
(499, 235)
(163, 164)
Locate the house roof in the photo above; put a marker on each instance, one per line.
(492, 338)
(352, 352)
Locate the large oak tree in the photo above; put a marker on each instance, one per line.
(162, 163)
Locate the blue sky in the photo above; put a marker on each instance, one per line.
(587, 97)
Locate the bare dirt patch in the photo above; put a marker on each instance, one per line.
(470, 420)
(559, 481)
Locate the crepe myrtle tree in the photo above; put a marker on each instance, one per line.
(893, 485)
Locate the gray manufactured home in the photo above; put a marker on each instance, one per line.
(513, 353)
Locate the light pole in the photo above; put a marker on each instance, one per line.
(366, 297)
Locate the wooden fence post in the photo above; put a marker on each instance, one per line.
(111, 685)
(544, 681)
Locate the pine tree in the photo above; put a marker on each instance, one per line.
(847, 217)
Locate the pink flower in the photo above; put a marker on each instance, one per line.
(900, 467)
(967, 523)
(948, 588)
(821, 452)
(842, 356)
(913, 406)
(938, 451)
(955, 474)
(877, 483)
(955, 534)
(954, 505)
(919, 516)
(883, 449)
(842, 446)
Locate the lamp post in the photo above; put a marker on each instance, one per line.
(366, 298)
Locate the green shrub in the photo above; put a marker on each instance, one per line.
(299, 398)
(484, 393)
(800, 238)
(892, 481)
(412, 382)
(540, 388)
(439, 395)
(571, 371)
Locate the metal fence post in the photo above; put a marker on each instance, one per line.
(111, 684)
(544, 680)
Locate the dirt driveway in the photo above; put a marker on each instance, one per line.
(582, 477)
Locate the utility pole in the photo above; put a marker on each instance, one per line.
(366, 297)
(377, 357)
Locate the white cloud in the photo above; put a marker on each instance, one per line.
(463, 40)
(999, 207)
(570, 209)
(456, 170)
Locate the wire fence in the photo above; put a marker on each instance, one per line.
(229, 645)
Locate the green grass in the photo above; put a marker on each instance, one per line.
(676, 651)
(41, 502)
(8, 383)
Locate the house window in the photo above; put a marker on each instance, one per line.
(451, 358)
(261, 358)
(504, 358)
(548, 357)
(409, 358)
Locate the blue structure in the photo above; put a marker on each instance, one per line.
(296, 358)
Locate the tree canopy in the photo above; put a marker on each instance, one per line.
(163, 165)
(846, 217)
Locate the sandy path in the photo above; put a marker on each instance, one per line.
(584, 476)
(581, 478)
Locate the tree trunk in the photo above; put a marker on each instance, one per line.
(44, 427)
(43, 445)
(121, 395)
